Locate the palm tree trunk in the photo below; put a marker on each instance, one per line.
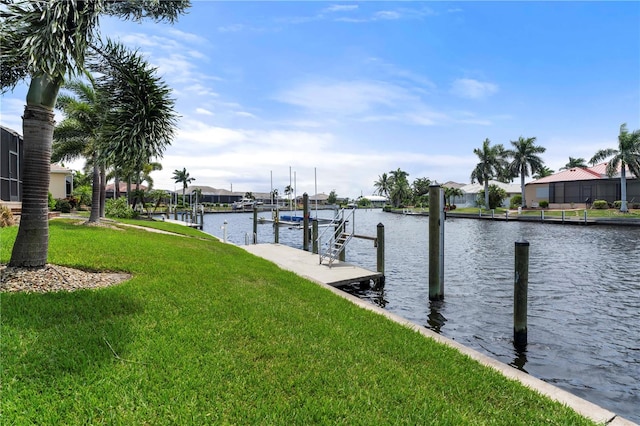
(486, 194)
(32, 242)
(95, 194)
(103, 189)
(116, 187)
(623, 188)
(524, 201)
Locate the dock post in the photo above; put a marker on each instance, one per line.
(314, 235)
(255, 224)
(276, 227)
(562, 216)
(343, 227)
(585, 217)
(380, 250)
(542, 215)
(493, 213)
(305, 222)
(435, 226)
(520, 288)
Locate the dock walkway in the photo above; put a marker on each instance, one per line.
(307, 264)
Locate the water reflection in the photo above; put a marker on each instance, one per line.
(520, 359)
(436, 320)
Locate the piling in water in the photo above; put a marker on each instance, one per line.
(435, 288)
(255, 224)
(305, 222)
(314, 235)
(520, 288)
(380, 252)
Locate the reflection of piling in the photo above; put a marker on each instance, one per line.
(314, 236)
(435, 246)
(305, 222)
(380, 250)
(521, 284)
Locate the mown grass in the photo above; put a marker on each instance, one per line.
(207, 334)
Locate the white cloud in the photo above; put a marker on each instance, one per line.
(245, 114)
(203, 111)
(387, 14)
(472, 89)
(341, 8)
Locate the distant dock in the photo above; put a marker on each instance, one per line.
(183, 223)
(307, 265)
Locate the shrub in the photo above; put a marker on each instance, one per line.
(543, 204)
(51, 201)
(63, 205)
(6, 217)
(600, 205)
(516, 201)
(617, 204)
(496, 196)
(119, 208)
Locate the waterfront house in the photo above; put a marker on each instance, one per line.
(472, 191)
(578, 187)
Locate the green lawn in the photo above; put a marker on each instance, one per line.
(207, 334)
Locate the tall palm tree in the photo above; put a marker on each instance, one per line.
(383, 185)
(182, 176)
(574, 162)
(525, 160)
(491, 166)
(626, 156)
(400, 187)
(78, 133)
(44, 42)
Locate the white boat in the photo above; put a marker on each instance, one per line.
(243, 204)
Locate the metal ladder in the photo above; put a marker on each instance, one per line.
(337, 241)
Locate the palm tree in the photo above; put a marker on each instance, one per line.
(574, 162)
(46, 41)
(525, 160)
(383, 185)
(78, 133)
(451, 192)
(543, 172)
(626, 156)
(400, 188)
(491, 166)
(182, 176)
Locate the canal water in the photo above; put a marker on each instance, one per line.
(583, 301)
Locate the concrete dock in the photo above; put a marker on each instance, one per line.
(307, 264)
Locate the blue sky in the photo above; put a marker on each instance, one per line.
(356, 89)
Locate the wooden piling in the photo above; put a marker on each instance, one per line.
(314, 235)
(520, 289)
(380, 249)
(305, 222)
(435, 291)
(255, 224)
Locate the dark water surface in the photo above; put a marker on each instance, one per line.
(583, 301)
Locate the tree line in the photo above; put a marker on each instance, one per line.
(495, 162)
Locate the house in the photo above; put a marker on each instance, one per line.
(209, 194)
(579, 187)
(61, 183)
(377, 201)
(472, 192)
(11, 152)
(110, 189)
(11, 173)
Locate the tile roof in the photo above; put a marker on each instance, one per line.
(579, 173)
